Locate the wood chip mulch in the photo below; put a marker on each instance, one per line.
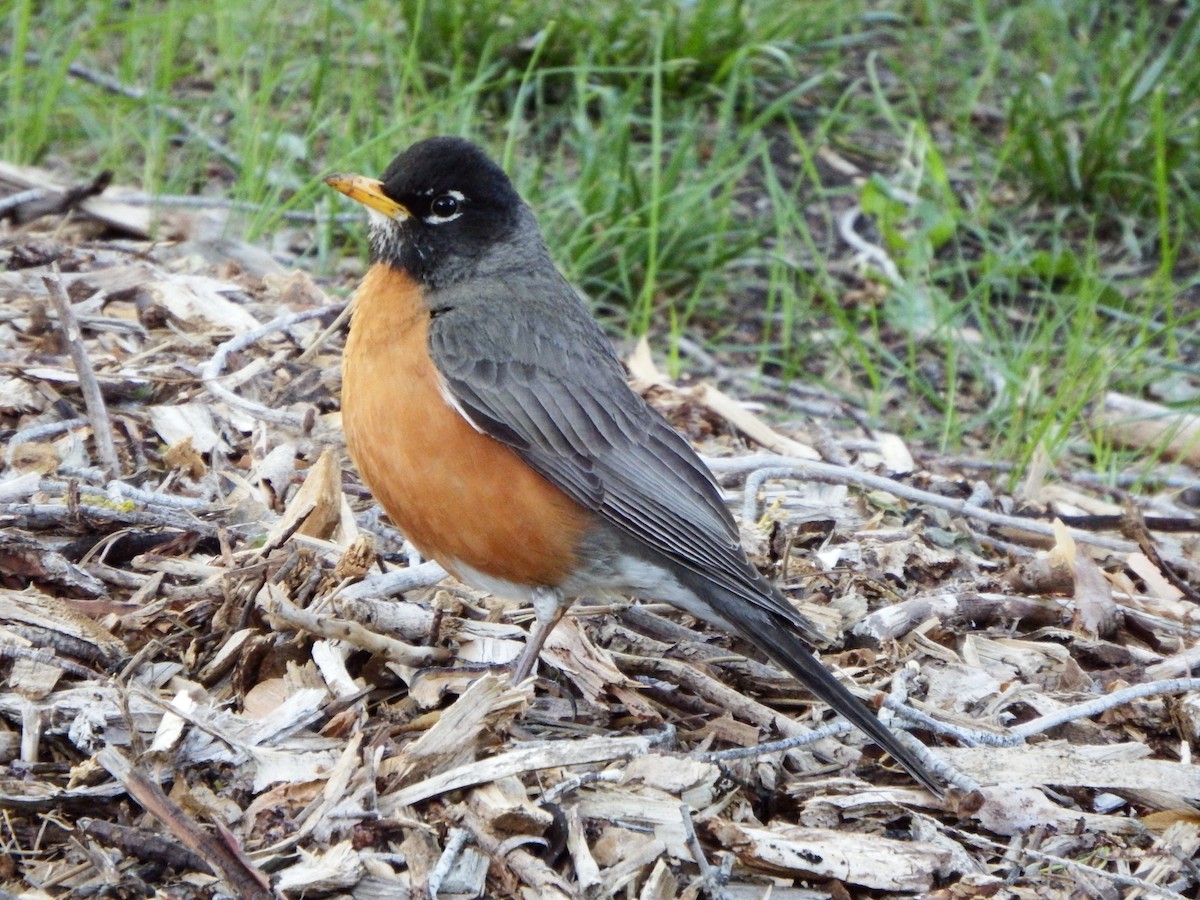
(223, 677)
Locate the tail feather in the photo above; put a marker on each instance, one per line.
(778, 638)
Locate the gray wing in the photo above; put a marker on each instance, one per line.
(557, 395)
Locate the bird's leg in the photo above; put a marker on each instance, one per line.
(550, 606)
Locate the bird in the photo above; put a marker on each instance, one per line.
(490, 416)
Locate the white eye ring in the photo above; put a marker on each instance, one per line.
(451, 203)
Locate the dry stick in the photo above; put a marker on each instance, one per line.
(62, 876)
(1091, 479)
(144, 845)
(334, 326)
(50, 515)
(13, 201)
(710, 878)
(606, 776)
(119, 490)
(241, 875)
(15, 490)
(177, 201)
(1176, 665)
(97, 412)
(211, 373)
(763, 466)
(389, 584)
(19, 487)
(942, 769)
(523, 759)
(749, 710)
(710, 689)
(276, 605)
(114, 86)
(899, 697)
(588, 880)
(457, 840)
(841, 726)
(1135, 526)
(1016, 736)
(52, 203)
(1104, 704)
(968, 737)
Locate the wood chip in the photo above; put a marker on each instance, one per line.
(488, 704)
(870, 861)
(1111, 767)
(515, 762)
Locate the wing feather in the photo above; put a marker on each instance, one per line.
(559, 398)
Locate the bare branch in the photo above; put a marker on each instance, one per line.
(88, 385)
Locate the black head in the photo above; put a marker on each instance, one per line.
(443, 211)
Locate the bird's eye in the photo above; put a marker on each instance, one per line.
(445, 206)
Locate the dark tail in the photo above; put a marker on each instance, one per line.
(778, 638)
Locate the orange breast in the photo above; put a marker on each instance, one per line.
(460, 496)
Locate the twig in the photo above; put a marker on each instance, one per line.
(273, 602)
(224, 858)
(1015, 737)
(211, 373)
(390, 584)
(1134, 526)
(19, 487)
(1019, 733)
(782, 467)
(333, 327)
(116, 491)
(966, 609)
(13, 201)
(178, 201)
(1176, 665)
(1104, 704)
(607, 776)
(454, 847)
(119, 490)
(130, 92)
(801, 740)
(1104, 480)
(33, 204)
(144, 845)
(88, 385)
(588, 880)
(709, 877)
(931, 760)
(1170, 524)
(52, 515)
(969, 737)
(541, 755)
(653, 635)
(715, 692)
(898, 697)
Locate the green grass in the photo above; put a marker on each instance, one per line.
(1030, 168)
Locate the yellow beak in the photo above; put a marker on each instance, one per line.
(369, 192)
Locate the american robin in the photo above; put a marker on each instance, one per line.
(490, 416)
